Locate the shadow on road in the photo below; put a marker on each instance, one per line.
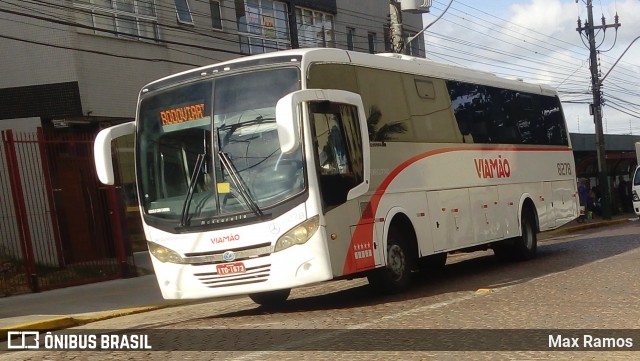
(469, 274)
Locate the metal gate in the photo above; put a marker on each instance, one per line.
(58, 225)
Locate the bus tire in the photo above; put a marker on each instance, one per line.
(525, 247)
(520, 248)
(271, 298)
(395, 276)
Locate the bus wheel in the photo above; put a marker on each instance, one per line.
(271, 298)
(396, 275)
(526, 246)
(520, 248)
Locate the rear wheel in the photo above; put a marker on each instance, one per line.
(526, 246)
(396, 275)
(520, 248)
(271, 298)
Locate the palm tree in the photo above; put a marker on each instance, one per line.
(385, 132)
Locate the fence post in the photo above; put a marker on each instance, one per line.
(50, 200)
(20, 210)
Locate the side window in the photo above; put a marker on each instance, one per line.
(471, 105)
(508, 115)
(388, 112)
(636, 178)
(553, 122)
(503, 116)
(332, 76)
(430, 106)
(338, 146)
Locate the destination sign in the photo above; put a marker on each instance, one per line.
(182, 114)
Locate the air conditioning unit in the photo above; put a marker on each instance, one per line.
(415, 6)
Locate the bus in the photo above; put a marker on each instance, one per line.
(270, 172)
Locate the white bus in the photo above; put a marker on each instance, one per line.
(285, 169)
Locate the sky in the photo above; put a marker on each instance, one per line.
(537, 41)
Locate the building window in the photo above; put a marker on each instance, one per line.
(262, 25)
(315, 28)
(351, 35)
(387, 39)
(413, 48)
(183, 11)
(216, 15)
(133, 19)
(371, 37)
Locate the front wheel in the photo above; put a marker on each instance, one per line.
(271, 298)
(396, 275)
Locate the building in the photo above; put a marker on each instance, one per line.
(83, 61)
(621, 159)
(72, 67)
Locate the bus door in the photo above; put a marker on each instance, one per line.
(339, 143)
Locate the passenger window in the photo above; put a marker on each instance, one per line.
(385, 101)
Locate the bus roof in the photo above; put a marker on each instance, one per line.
(395, 62)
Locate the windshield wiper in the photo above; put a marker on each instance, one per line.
(231, 128)
(237, 181)
(192, 187)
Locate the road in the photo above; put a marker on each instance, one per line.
(588, 280)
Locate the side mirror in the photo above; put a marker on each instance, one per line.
(288, 118)
(288, 112)
(287, 122)
(102, 150)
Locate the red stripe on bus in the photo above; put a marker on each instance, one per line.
(364, 231)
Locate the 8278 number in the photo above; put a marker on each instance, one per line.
(564, 169)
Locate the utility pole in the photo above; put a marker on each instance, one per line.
(398, 42)
(596, 107)
(293, 26)
(395, 16)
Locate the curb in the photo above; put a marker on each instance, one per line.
(63, 322)
(584, 226)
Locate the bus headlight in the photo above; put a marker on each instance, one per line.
(164, 254)
(635, 197)
(298, 234)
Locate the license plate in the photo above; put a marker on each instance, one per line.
(230, 268)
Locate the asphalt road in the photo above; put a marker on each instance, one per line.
(589, 282)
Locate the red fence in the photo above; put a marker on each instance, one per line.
(58, 225)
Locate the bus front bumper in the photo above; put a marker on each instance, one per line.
(296, 266)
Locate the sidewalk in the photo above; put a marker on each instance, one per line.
(73, 306)
(78, 305)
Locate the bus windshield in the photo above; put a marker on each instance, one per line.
(210, 149)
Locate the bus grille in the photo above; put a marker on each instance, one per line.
(241, 254)
(252, 275)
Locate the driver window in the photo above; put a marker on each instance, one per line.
(338, 145)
